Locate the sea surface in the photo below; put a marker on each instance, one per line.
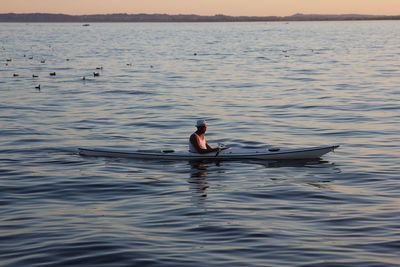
(294, 84)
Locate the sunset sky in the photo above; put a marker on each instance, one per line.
(204, 7)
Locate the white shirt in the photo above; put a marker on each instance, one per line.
(202, 144)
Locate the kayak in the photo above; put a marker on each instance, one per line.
(272, 153)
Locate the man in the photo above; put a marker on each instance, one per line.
(197, 141)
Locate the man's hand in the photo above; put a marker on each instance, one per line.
(219, 149)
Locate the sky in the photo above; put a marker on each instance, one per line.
(204, 7)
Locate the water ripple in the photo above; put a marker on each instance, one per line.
(258, 85)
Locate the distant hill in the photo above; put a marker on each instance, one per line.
(46, 17)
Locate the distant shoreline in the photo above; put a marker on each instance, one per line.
(48, 17)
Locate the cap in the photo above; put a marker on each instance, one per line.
(201, 123)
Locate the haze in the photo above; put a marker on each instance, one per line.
(204, 7)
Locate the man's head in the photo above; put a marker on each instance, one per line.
(201, 126)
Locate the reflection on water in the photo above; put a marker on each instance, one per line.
(198, 179)
(201, 170)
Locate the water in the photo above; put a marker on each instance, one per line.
(258, 84)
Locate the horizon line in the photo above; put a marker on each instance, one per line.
(181, 14)
(159, 17)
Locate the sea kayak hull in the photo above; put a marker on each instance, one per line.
(228, 154)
